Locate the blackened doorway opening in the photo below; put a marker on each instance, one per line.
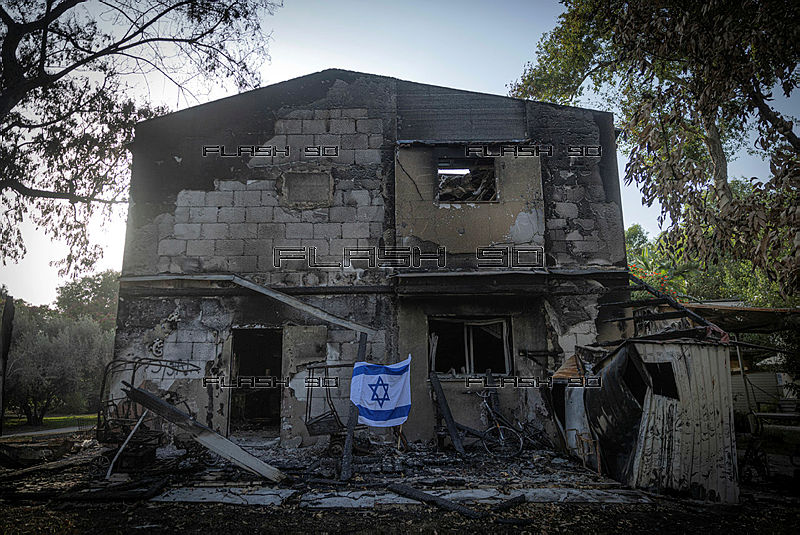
(256, 403)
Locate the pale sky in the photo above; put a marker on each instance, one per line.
(473, 45)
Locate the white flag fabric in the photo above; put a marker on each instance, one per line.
(382, 393)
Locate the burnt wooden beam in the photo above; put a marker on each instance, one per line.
(636, 287)
(347, 451)
(636, 303)
(697, 333)
(519, 499)
(352, 418)
(671, 302)
(444, 408)
(648, 317)
(135, 490)
(414, 494)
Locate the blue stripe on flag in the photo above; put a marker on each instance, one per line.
(379, 415)
(377, 369)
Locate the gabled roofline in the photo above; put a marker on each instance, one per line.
(332, 72)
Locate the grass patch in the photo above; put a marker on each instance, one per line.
(18, 424)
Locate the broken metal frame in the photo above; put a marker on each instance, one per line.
(202, 434)
(122, 447)
(327, 423)
(468, 325)
(104, 417)
(660, 298)
(585, 444)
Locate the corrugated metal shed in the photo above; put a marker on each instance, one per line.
(684, 438)
(689, 443)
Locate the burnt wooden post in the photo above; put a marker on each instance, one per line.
(414, 494)
(444, 408)
(347, 454)
(6, 325)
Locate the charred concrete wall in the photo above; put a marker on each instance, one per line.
(564, 197)
(199, 330)
(196, 213)
(583, 210)
(203, 201)
(516, 218)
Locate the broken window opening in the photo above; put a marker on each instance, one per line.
(634, 381)
(466, 180)
(256, 353)
(663, 378)
(470, 346)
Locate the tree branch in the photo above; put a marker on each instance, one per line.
(780, 124)
(43, 52)
(600, 65)
(6, 18)
(50, 16)
(22, 189)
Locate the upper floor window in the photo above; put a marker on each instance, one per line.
(466, 180)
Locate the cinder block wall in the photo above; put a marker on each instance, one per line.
(191, 213)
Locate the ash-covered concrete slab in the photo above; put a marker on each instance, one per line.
(584, 496)
(234, 495)
(365, 499)
(352, 499)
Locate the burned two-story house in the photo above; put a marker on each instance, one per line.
(271, 232)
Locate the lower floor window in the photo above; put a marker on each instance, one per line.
(468, 346)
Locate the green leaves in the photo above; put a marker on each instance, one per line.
(685, 80)
(93, 296)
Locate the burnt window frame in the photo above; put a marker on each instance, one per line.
(469, 357)
(458, 152)
(466, 163)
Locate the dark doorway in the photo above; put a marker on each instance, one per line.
(256, 403)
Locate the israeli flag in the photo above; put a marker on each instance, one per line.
(382, 393)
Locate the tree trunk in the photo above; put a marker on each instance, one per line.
(34, 413)
(29, 417)
(43, 410)
(714, 143)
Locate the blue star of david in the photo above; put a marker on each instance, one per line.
(375, 386)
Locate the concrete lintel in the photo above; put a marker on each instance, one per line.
(269, 292)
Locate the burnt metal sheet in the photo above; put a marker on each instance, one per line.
(748, 319)
(681, 440)
(689, 444)
(615, 413)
